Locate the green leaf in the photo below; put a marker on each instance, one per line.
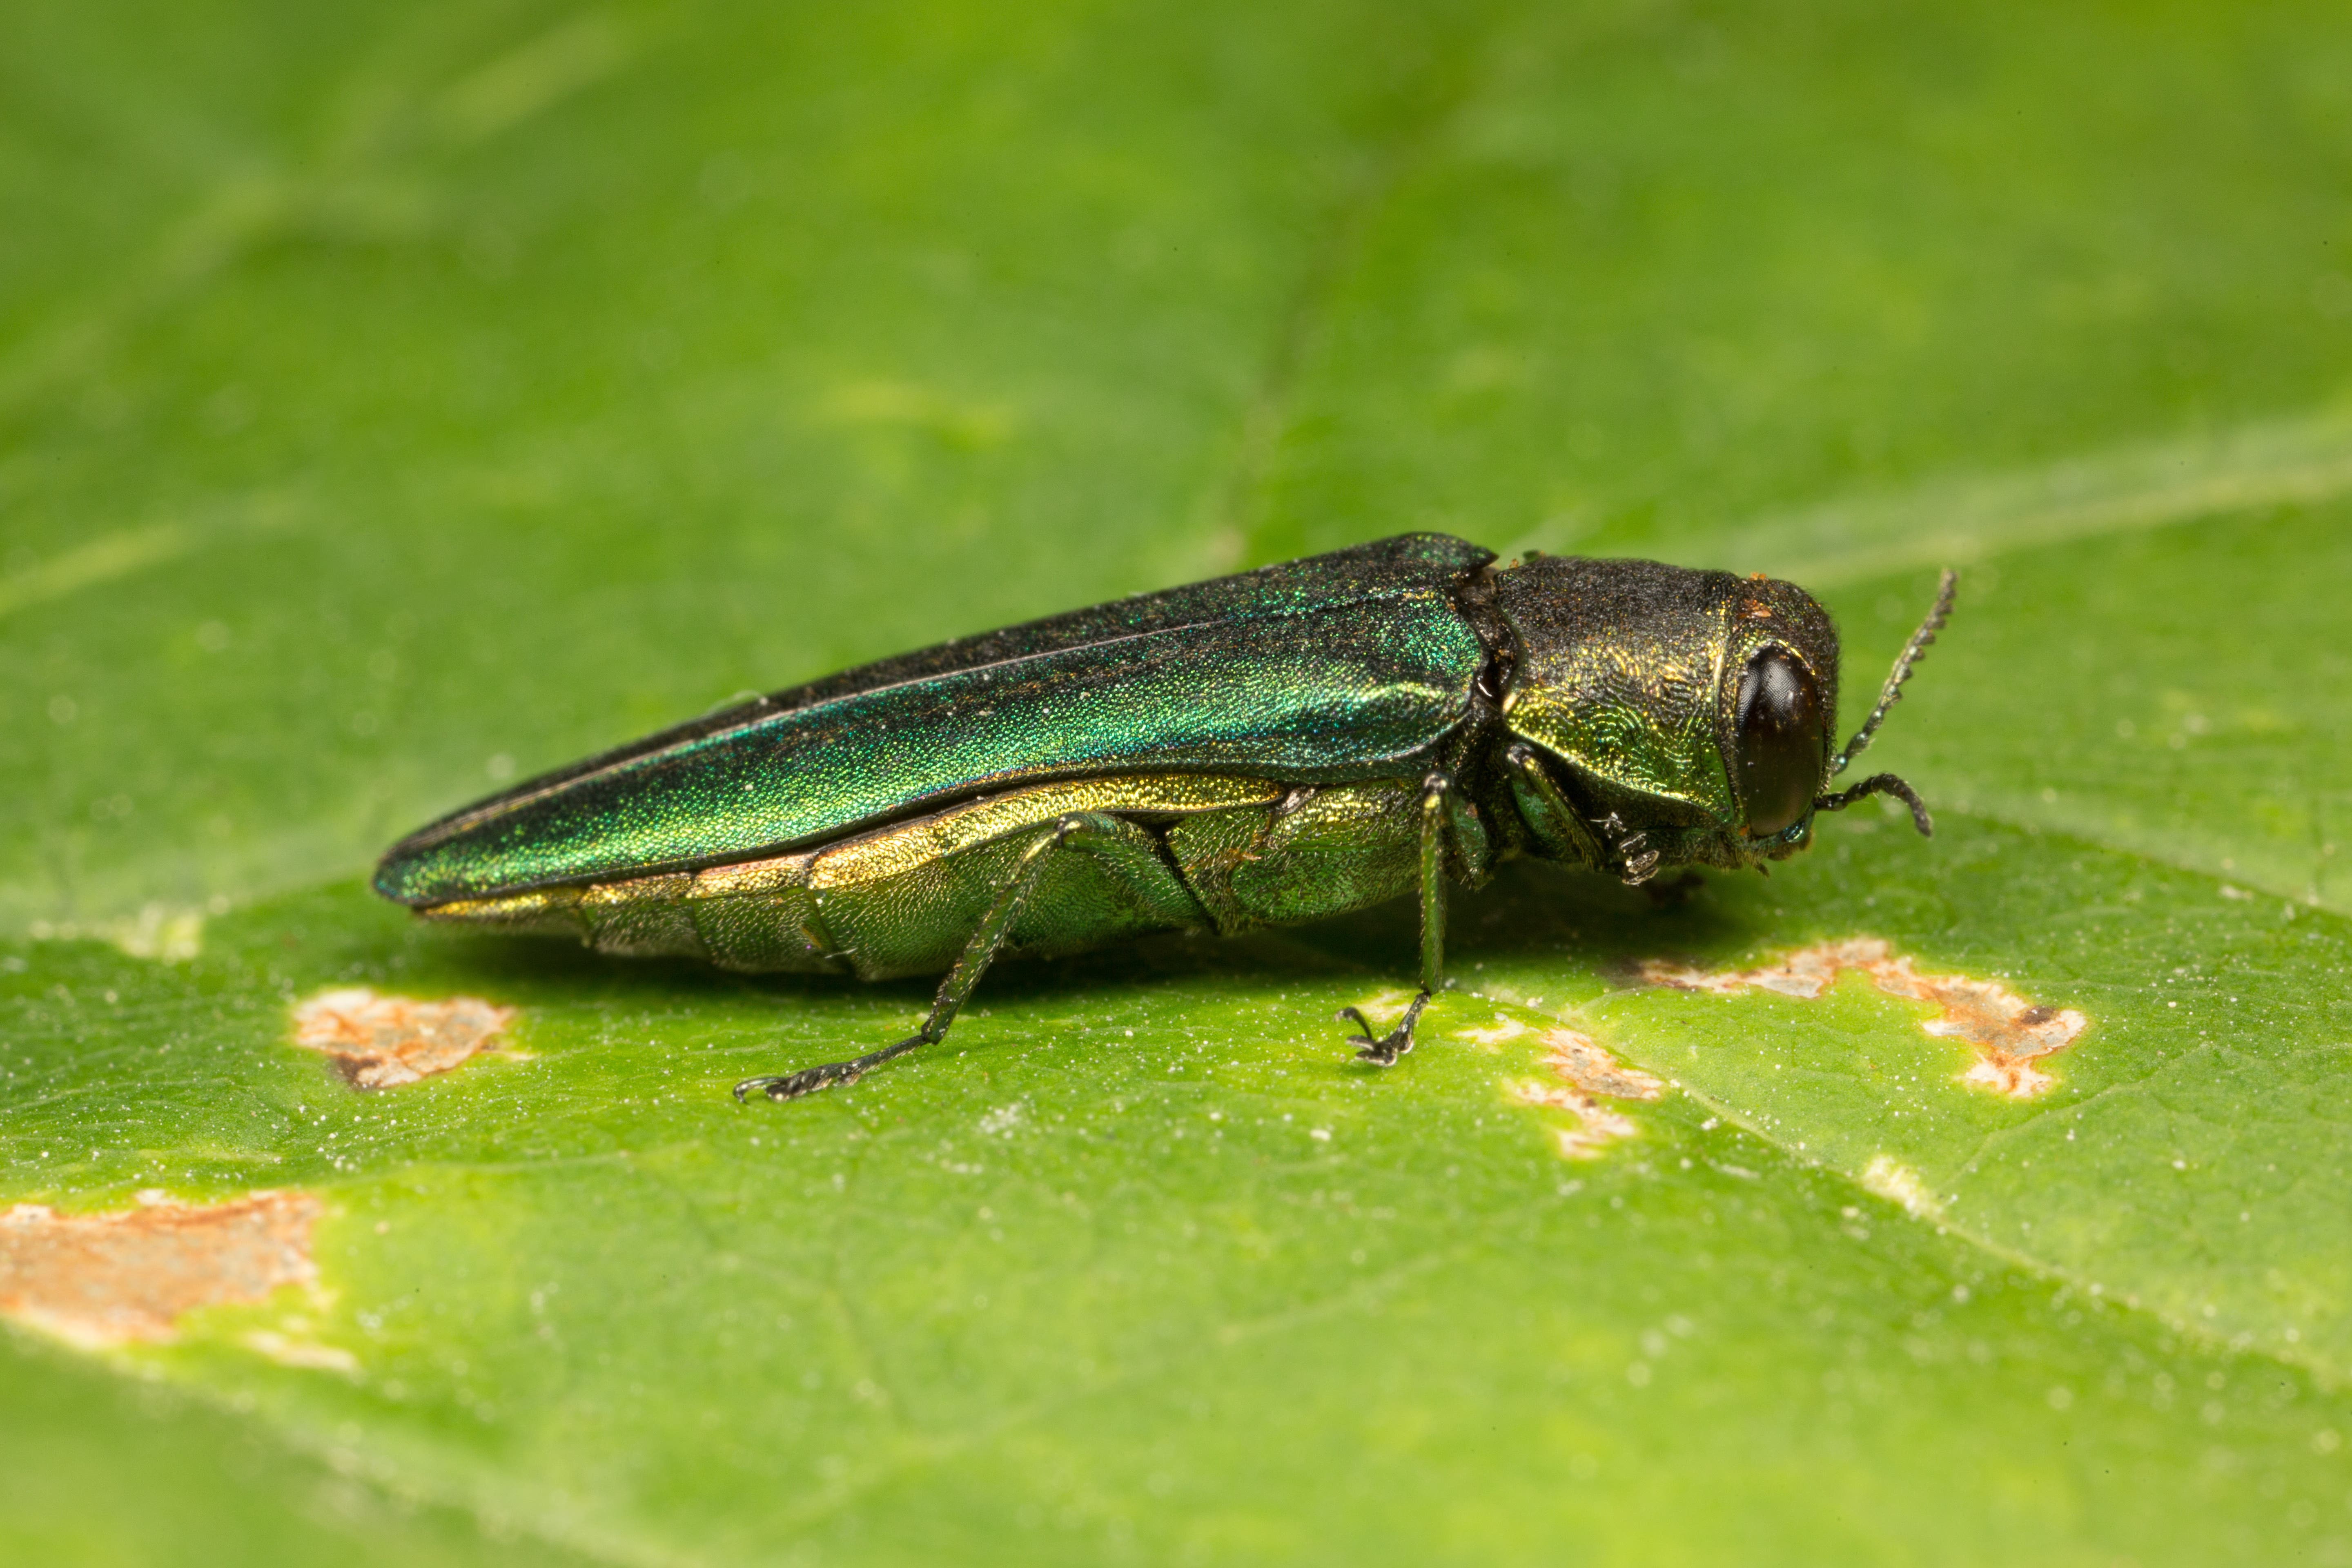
(395, 404)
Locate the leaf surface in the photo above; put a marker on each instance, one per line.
(399, 404)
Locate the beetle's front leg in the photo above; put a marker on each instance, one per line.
(1436, 806)
(1564, 835)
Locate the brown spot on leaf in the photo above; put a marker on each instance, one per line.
(2008, 1034)
(1583, 1075)
(1575, 1057)
(381, 1041)
(102, 1279)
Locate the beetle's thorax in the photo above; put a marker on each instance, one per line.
(1626, 676)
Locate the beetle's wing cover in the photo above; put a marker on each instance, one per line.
(1346, 666)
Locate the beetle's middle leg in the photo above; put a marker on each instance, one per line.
(994, 927)
(1436, 810)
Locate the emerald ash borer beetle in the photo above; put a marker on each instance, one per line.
(1262, 749)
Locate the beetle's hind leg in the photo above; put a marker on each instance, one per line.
(1384, 1050)
(994, 927)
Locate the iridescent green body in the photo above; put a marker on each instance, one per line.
(1263, 749)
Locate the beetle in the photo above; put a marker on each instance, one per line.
(1265, 748)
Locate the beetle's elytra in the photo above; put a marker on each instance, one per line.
(1261, 749)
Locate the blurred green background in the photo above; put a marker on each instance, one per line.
(397, 401)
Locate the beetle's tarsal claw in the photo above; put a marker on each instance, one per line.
(1384, 1050)
(808, 1080)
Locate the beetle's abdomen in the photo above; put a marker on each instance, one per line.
(905, 900)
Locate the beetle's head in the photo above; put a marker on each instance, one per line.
(1683, 716)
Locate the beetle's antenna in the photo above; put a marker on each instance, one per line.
(1894, 688)
(1882, 784)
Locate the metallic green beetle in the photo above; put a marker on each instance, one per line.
(1262, 749)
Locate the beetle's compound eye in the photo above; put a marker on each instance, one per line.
(1778, 721)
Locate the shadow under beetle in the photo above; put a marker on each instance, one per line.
(1266, 748)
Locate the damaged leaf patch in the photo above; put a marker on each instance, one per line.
(378, 1042)
(104, 1280)
(2010, 1034)
(157, 931)
(1900, 1183)
(1583, 1075)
